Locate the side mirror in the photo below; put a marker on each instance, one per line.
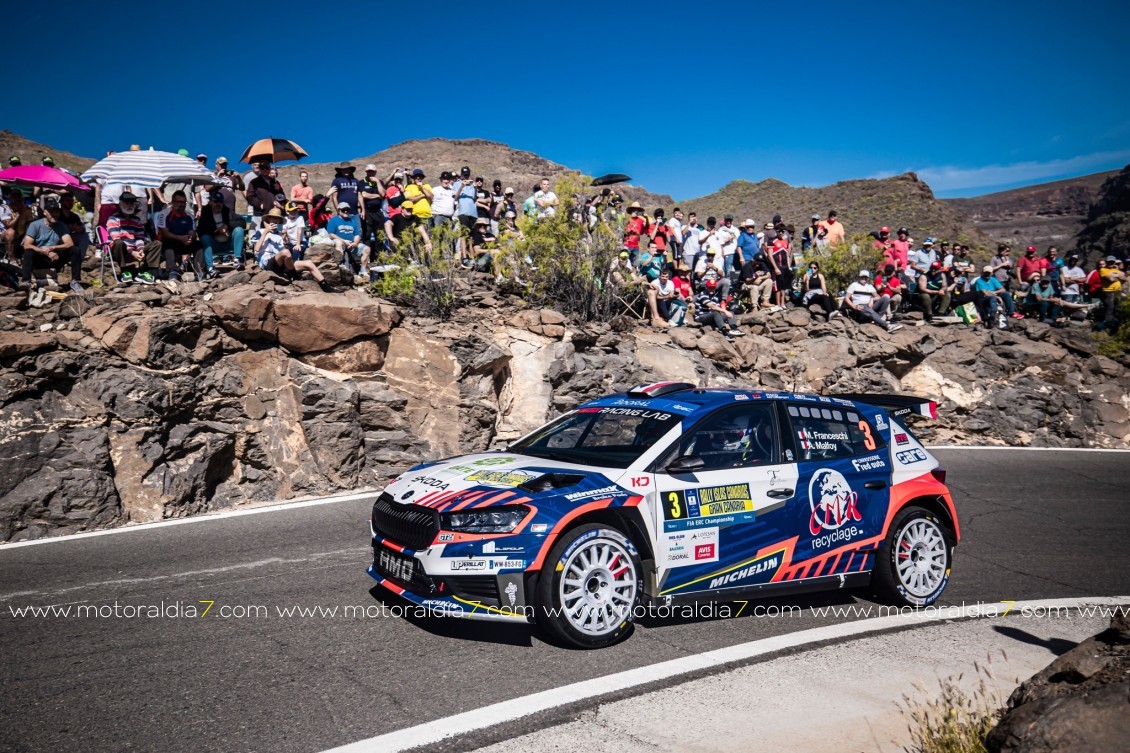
(685, 465)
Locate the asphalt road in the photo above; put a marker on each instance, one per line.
(1034, 524)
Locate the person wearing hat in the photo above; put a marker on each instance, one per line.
(176, 230)
(482, 243)
(1041, 298)
(221, 237)
(863, 303)
(1111, 277)
(709, 267)
(275, 252)
(125, 229)
(835, 228)
(636, 228)
(935, 291)
(345, 188)
(47, 244)
(507, 204)
(345, 230)
(15, 161)
(748, 245)
(372, 194)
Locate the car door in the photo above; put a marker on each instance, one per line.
(843, 489)
(718, 491)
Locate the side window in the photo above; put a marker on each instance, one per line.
(735, 437)
(823, 432)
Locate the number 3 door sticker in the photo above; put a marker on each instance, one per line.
(674, 506)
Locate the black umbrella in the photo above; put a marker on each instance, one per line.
(610, 179)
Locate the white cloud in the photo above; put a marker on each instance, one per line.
(949, 178)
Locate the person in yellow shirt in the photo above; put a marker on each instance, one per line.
(1112, 279)
(835, 228)
(419, 194)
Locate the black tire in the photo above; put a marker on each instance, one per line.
(600, 609)
(913, 566)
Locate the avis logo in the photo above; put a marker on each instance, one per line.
(704, 552)
(832, 500)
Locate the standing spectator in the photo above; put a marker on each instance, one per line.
(397, 222)
(659, 230)
(692, 231)
(748, 246)
(497, 206)
(835, 228)
(372, 197)
(898, 252)
(1053, 266)
(727, 236)
(808, 235)
(864, 304)
(710, 309)
(783, 271)
(816, 290)
(1112, 278)
(128, 247)
(924, 258)
(302, 190)
(1028, 265)
(1072, 278)
(1002, 266)
(263, 193)
(177, 232)
(960, 261)
(420, 194)
(934, 291)
(345, 230)
(482, 199)
(345, 188)
(635, 229)
(443, 201)
(47, 243)
(466, 209)
(220, 235)
(883, 241)
(545, 200)
(675, 233)
(529, 207)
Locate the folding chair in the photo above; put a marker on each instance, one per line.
(106, 256)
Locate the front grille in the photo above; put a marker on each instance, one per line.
(482, 588)
(410, 526)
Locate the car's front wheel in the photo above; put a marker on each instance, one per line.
(913, 567)
(590, 586)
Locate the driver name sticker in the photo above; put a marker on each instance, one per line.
(502, 478)
(710, 505)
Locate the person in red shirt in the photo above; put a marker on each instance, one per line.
(888, 283)
(898, 250)
(637, 226)
(1028, 265)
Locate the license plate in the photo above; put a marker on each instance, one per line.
(396, 565)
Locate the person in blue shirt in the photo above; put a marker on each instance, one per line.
(464, 189)
(748, 246)
(344, 187)
(992, 295)
(345, 229)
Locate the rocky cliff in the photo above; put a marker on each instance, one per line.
(134, 406)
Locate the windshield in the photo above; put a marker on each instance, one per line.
(605, 436)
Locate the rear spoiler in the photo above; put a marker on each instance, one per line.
(898, 406)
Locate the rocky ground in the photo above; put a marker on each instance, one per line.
(133, 405)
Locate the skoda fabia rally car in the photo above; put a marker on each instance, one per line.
(668, 493)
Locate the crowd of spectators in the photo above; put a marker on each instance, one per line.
(679, 268)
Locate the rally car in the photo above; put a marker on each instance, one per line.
(670, 493)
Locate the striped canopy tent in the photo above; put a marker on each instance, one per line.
(148, 169)
(272, 150)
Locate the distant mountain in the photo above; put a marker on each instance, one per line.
(1106, 229)
(863, 206)
(490, 159)
(31, 152)
(1040, 215)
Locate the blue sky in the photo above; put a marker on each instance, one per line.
(684, 97)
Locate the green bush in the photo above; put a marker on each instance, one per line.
(841, 263)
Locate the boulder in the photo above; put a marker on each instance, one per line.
(311, 322)
(16, 344)
(717, 348)
(246, 314)
(363, 355)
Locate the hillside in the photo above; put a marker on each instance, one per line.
(1106, 229)
(863, 206)
(1041, 215)
(490, 159)
(32, 152)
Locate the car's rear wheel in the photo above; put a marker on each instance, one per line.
(590, 586)
(913, 567)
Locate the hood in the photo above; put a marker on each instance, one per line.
(490, 479)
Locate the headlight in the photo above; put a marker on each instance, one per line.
(494, 520)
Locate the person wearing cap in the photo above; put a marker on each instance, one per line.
(808, 235)
(344, 188)
(709, 268)
(506, 204)
(47, 244)
(220, 236)
(179, 241)
(134, 255)
(923, 258)
(372, 194)
(1111, 278)
(545, 200)
(993, 296)
(710, 308)
(302, 190)
(464, 189)
(863, 303)
(345, 230)
(834, 228)
(623, 271)
(443, 201)
(1041, 299)
(1027, 265)
(935, 291)
(15, 161)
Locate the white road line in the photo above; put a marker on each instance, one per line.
(1019, 449)
(279, 507)
(491, 716)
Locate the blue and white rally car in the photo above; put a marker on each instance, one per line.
(669, 493)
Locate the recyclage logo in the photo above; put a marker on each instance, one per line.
(832, 500)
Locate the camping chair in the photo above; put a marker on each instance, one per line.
(105, 256)
(634, 301)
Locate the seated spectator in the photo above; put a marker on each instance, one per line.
(1072, 278)
(221, 233)
(79, 235)
(482, 243)
(665, 301)
(1111, 278)
(816, 289)
(889, 284)
(864, 304)
(177, 232)
(710, 309)
(623, 272)
(651, 261)
(319, 214)
(345, 231)
(1041, 298)
(273, 251)
(960, 261)
(129, 249)
(935, 291)
(682, 281)
(993, 295)
(48, 244)
(295, 228)
(1028, 265)
(707, 269)
(757, 277)
(16, 216)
